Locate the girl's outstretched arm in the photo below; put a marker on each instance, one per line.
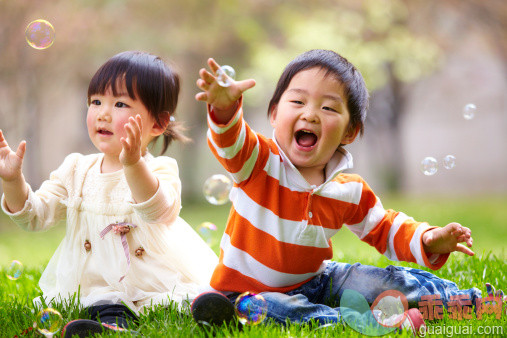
(448, 239)
(13, 182)
(223, 100)
(143, 184)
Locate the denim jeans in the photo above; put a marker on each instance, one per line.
(319, 298)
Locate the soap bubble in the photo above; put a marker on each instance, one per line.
(14, 270)
(429, 166)
(225, 75)
(48, 322)
(216, 189)
(40, 34)
(251, 308)
(449, 162)
(469, 111)
(207, 231)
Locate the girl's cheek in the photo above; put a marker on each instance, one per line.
(119, 127)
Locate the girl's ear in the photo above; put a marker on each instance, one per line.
(351, 135)
(159, 128)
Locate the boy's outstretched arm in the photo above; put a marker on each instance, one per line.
(448, 239)
(13, 181)
(223, 100)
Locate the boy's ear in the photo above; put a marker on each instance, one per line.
(159, 128)
(272, 115)
(351, 135)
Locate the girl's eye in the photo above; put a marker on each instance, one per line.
(96, 102)
(329, 108)
(121, 105)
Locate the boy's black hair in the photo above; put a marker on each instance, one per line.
(148, 79)
(345, 72)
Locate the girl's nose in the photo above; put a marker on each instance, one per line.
(103, 115)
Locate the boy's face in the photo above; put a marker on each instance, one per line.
(312, 120)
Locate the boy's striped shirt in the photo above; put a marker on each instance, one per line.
(279, 228)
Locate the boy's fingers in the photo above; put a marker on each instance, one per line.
(213, 65)
(245, 84)
(464, 249)
(201, 96)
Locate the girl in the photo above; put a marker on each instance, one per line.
(124, 242)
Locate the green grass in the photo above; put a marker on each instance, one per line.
(484, 215)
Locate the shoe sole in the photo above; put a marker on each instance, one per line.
(213, 309)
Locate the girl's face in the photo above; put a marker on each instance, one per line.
(106, 119)
(312, 120)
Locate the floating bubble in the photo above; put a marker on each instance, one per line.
(469, 111)
(449, 162)
(207, 231)
(225, 75)
(14, 270)
(48, 322)
(40, 34)
(216, 189)
(429, 166)
(251, 308)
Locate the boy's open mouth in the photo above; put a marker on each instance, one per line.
(305, 138)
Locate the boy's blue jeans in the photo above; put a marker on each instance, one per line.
(319, 298)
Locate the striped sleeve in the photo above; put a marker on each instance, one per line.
(235, 145)
(393, 234)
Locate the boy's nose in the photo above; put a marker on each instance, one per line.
(310, 115)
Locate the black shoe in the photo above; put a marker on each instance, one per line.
(213, 308)
(87, 327)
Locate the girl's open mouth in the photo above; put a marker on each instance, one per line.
(104, 132)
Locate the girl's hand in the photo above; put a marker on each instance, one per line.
(448, 239)
(11, 162)
(131, 145)
(222, 99)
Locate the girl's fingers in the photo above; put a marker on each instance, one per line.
(20, 152)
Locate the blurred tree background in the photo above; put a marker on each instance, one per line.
(423, 60)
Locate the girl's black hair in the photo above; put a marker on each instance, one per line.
(148, 79)
(345, 72)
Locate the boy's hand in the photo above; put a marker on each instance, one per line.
(11, 162)
(448, 239)
(131, 145)
(222, 99)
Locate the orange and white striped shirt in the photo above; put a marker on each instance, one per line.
(278, 234)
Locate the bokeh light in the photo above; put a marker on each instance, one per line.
(449, 162)
(40, 34)
(469, 111)
(207, 230)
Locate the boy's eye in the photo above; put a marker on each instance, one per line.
(95, 102)
(121, 105)
(296, 102)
